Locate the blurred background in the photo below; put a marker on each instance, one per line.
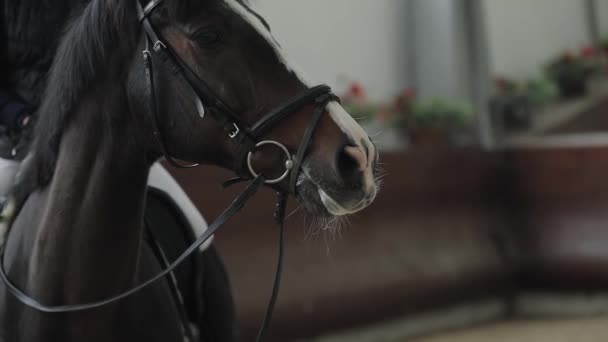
(492, 224)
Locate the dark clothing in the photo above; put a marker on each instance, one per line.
(29, 34)
(30, 30)
(11, 111)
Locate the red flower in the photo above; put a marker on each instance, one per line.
(356, 91)
(589, 51)
(410, 93)
(501, 82)
(504, 84)
(403, 102)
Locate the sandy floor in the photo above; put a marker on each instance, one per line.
(566, 330)
(580, 330)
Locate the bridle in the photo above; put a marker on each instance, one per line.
(248, 138)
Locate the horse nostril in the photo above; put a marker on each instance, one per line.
(351, 162)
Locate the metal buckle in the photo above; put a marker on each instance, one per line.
(159, 45)
(288, 162)
(234, 133)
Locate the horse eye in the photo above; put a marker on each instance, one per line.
(207, 38)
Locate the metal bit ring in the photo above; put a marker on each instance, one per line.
(288, 161)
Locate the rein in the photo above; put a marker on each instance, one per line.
(248, 139)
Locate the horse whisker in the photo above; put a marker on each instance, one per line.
(377, 134)
(293, 212)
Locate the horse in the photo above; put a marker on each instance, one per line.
(202, 81)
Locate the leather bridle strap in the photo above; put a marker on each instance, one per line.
(172, 282)
(320, 103)
(246, 137)
(234, 208)
(151, 89)
(179, 69)
(310, 96)
(319, 96)
(279, 216)
(215, 106)
(150, 7)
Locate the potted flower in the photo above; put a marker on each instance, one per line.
(402, 105)
(357, 104)
(513, 103)
(595, 58)
(571, 73)
(509, 104)
(435, 122)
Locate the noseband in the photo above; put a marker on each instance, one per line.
(248, 138)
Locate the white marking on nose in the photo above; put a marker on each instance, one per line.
(347, 124)
(357, 135)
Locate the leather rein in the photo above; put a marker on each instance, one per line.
(248, 139)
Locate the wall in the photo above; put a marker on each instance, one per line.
(523, 34)
(601, 7)
(341, 40)
(524, 219)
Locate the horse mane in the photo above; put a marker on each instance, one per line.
(84, 56)
(101, 36)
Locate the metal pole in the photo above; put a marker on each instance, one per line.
(412, 65)
(476, 38)
(593, 21)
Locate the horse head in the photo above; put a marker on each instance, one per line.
(229, 47)
(212, 86)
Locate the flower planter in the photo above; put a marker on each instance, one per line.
(512, 112)
(430, 137)
(572, 88)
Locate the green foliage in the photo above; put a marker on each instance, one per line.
(361, 112)
(540, 91)
(514, 102)
(368, 112)
(439, 113)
